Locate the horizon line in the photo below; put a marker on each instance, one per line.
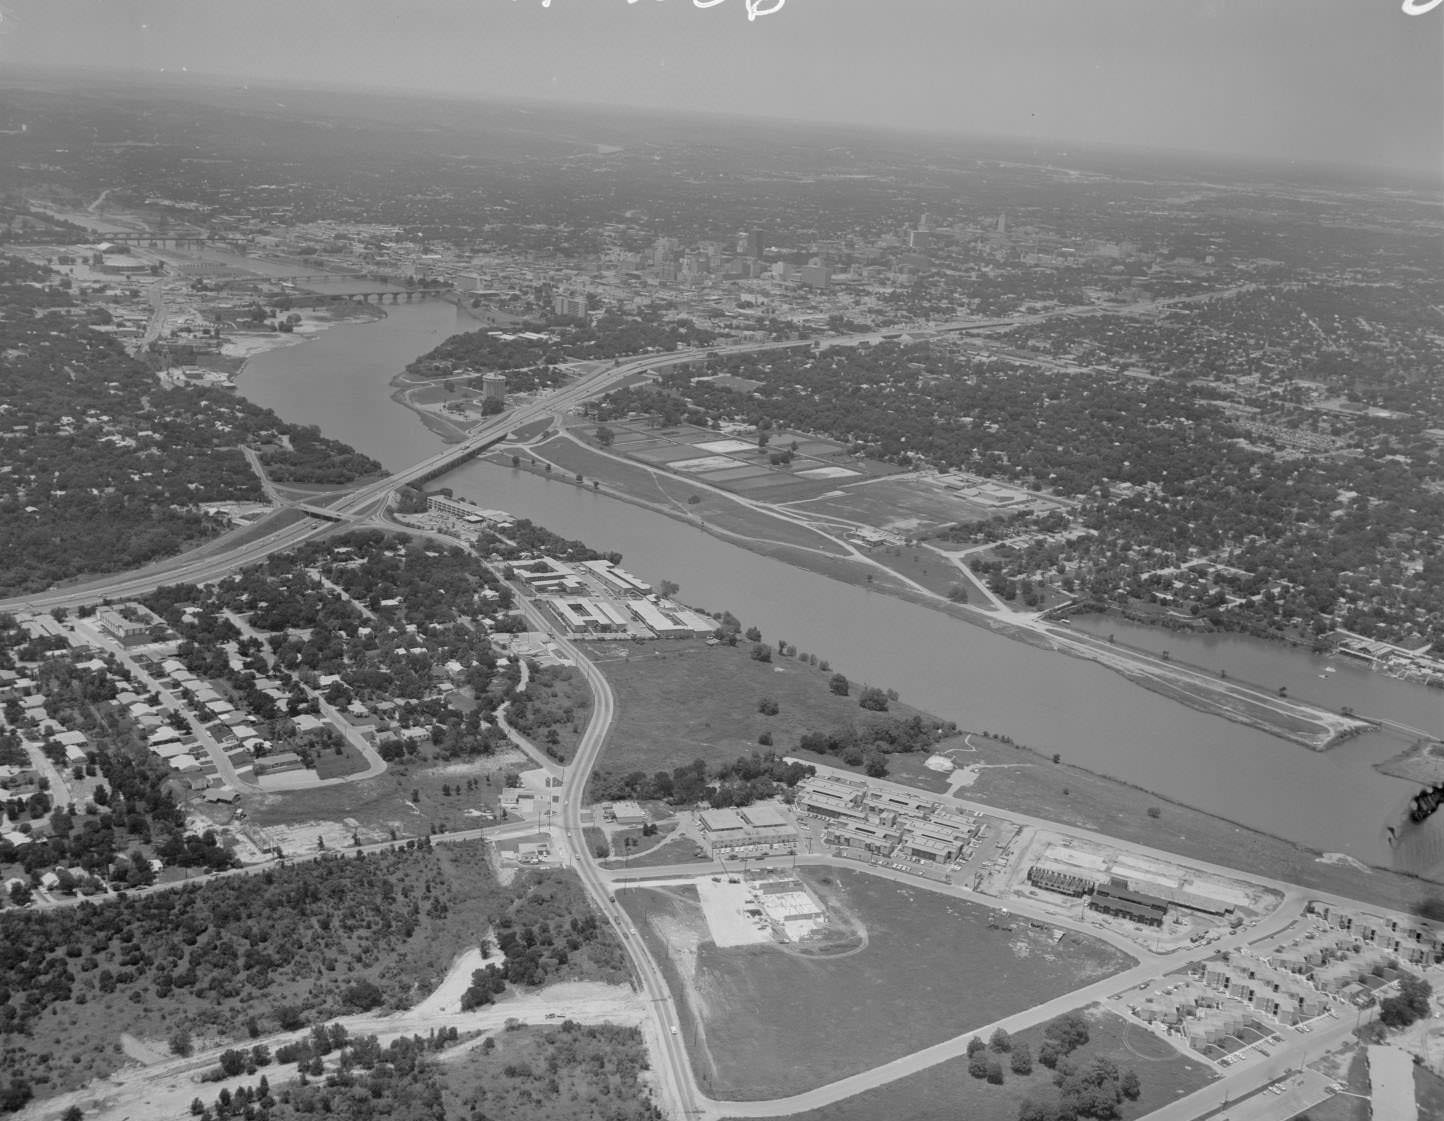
(1379, 176)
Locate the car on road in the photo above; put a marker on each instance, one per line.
(674, 1029)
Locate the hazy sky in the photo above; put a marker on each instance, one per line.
(1344, 81)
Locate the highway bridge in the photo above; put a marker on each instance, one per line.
(70, 237)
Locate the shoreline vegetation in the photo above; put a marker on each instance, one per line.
(313, 324)
(1235, 700)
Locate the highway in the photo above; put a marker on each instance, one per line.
(210, 562)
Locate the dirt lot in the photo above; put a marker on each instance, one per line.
(763, 1021)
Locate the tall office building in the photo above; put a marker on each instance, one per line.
(749, 243)
(493, 387)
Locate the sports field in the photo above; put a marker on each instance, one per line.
(742, 465)
(770, 1020)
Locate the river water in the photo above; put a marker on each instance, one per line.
(1332, 801)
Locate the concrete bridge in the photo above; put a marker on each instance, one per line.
(324, 513)
(364, 296)
(313, 276)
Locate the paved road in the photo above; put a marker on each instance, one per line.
(675, 1082)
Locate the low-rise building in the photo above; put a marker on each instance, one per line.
(1117, 898)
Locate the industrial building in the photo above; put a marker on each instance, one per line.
(616, 579)
(789, 907)
(1118, 899)
(758, 830)
(830, 797)
(1055, 879)
(588, 615)
(625, 813)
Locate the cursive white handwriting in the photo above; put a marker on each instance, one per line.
(1420, 7)
(757, 8)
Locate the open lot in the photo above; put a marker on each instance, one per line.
(947, 1092)
(910, 506)
(771, 1020)
(673, 494)
(347, 761)
(409, 798)
(681, 700)
(739, 464)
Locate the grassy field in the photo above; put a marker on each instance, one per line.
(672, 494)
(769, 1020)
(1346, 1107)
(679, 850)
(947, 1092)
(555, 711)
(1428, 1092)
(935, 573)
(349, 761)
(409, 798)
(568, 1072)
(681, 700)
(901, 505)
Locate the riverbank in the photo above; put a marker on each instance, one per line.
(314, 322)
(1421, 763)
(761, 531)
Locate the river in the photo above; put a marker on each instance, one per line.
(1333, 801)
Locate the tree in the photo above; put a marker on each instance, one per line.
(605, 436)
(995, 1072)
(976, 1045)
(978, 1065)
(362, 996)
(768, 706)
(1069, 1031)
(839, 685)
(1022, 1059)
(761, 652)
(873, 699)
(752, 634)
(668, 588)
(180, 1042)
(1001, 1042)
